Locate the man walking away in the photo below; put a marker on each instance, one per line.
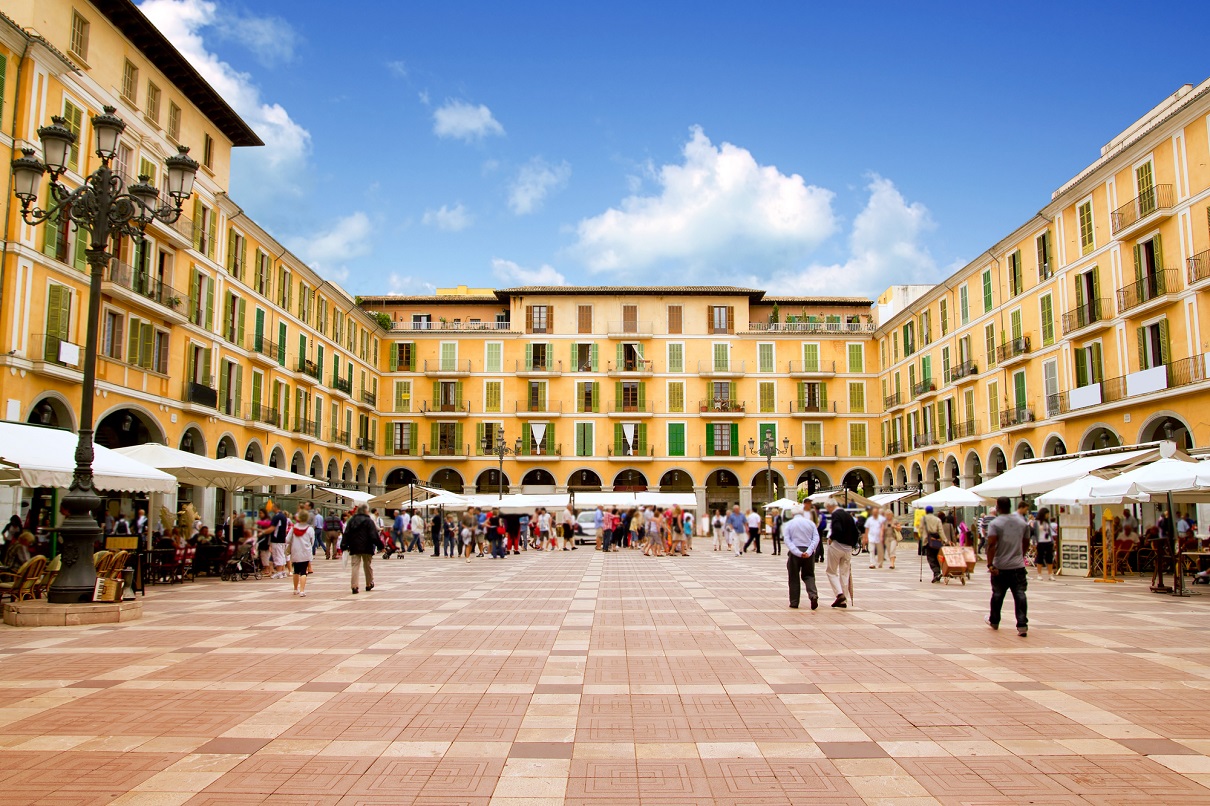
(417, 532)
(778, 521)
(844, 539)
(801, 538)
(930, 536)
(754, 524)
(360, 540)
(1007, 541)
(397, 531)
(435, 529)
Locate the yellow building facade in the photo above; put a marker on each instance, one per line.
(1081, 329)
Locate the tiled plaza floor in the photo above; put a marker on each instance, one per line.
(587, 678)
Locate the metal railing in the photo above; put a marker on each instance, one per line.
(528, 406)
(895, 446)
(264, 414)
(719, 405)
(629, 327)
(369, 398)
(811, 327)
(817, 449)
(804, 367)
(50, 349)
(529, 450)
(262, 346)
(809, 405)
(1012, 349)
(1151, 286)
(1187, 370)
(416, 327)
(1017, 415)
(923, 440)
(1199, 266)
(1057, 404)
(965, 429)
(547, 365)
(365, 444)
(309, 428)
(146, 286)
(309, 368)
(437, 407)
(1094, 310)
(644, 366)
(629, 407)
(891, 401)
(342, 385)
(440, 365)
(924, 387)
(1149, 201)
(624, 450)
(201, 394)
(340, 437)
(964, 370)
(730, 368)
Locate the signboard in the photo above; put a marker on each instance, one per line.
(1074, 550)
(107, 590)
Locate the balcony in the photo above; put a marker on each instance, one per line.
(721, 407)
(201, 394)
(966, 369)
(966, 429)
(630, 329)
(127, 283)
(442, 368)
(924, 440)
(307, 428)
(179, 231)
(812, 369)
(1013, 352)
(818, 451)
(264, 414)
(896, 447)
(1199, 267)
(1144, 294)
(454, 326)
(339, 437)
(1093, 314)
(922, 388)
(365, 444)
(624, 453)
(265, 351)
(812, 327)
(539, 453)
(546, 408)
(343, 385)
(712, 369)
(811, 407)
(538, 368)
(308, 368)
(1147, 207)
(369, 398)
(1057, 404)
(1183, 372)
(1016, 417)
(892, 401)
(636, 368)
(709, 453)
(444, 410)
(1046, 271)
(58, 351)
(624, 408)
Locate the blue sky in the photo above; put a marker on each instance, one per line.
(808, 148)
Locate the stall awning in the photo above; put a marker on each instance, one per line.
(589, 500)
(1035, 476)
(882, 499)
(46, 457)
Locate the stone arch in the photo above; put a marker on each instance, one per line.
(226, 447)
(1054, 446)
(490, 481)
(298, 463)
(997, 462)
(972, 469)
(815, 479)
(901, 477)
(254, 452)
(1167, 425)
(359, 475)
(1099, 436)
(1022, 452)
(372, 480)
(888, 478)
(953, 472)
(52, 409)
(346, 474)
(916, 475)
(316, 469)
(859, 480)
(277, 458)
(193, 440)
(676, 480)
(584, 479)
(127, 425)
(933, 475)
(722, 490)
(448, 479)
(760, 487)
(400, 477)
(630, 480)
(333, 469)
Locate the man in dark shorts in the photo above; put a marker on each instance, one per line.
(1007, 542)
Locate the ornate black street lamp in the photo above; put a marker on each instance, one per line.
(768, 449)
(500, 450)
(104, 208)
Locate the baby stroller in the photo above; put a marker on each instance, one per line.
(243, 565)
(388, 545)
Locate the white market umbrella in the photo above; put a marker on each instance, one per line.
(46, 457)
(332, 495)
(190, 468)
(1080, 492)
(1165, 475)
(263, 475)
(781, 503)
(406, 496)
(949, 498)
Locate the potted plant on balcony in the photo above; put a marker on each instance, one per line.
(173, 302)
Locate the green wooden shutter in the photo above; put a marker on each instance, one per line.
(1082, 358)
(222, 385)
(1079, 291)
(1048, 321)
(209, 303)
(195, 293)
(802, 394)
(731, 392)
(435, 434)
(132, 342)
(281, 344)
(239, 325)
(735, 439)
(593, 351)
(676, 439)
(285, 404)
(437, 395)
(197, 224)
(1097, 374)
(1019, 390)
(1140, 334)
(319, 360)
(147, 345)
(813, 434)
(1138, 262)
(596, 396)
(641, 436)
(618, 440)
(1158, 250)
(411, 356)
(1165, 348)
(642, 396)
(710, 439)
(458, 393)
(823, 397)
(617, 395)
(393, 357)
(79, 259)
(621, 355)
(479, 449)
(239, 388)
(399, 396)
(1096, 289)
(257, 381)
(458, 446)
(529, 357)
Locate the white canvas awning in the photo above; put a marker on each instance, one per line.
(1078, 493)
(949, 498)
(781, 503)
(882, 499)
(263, 475)
(589, 500)
(332, 495)
(46, 457)
(190, 468)
(1165, 475)
(1034, 476)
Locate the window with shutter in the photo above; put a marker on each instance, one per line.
(857, 439)
(812, 439)
(810, 357)
(993, 406)
(676, 357)
(767, 395)
(989, 343)
(964, 308)
(492, 396)
(987, 290)
(585, 444)
(674, 320)
(676, 439)
(856, 357)
(1046, 304)
(722, 357)
(764, 353)
(1087, 228)
(676, 396)
(857, 397)
(945, 317)
(584, 319)
(494, 357)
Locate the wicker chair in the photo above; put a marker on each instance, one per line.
(42, 587)
(23, 581)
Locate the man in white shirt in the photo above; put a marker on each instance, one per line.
(569, 529)
(801, 539)
(874, 524)
(753, 530)
(418, 531)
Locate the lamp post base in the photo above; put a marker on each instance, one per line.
(77, 580)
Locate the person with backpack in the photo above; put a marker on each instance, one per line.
(361, 539)
(932, 539)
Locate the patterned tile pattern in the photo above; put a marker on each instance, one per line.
(584, 678)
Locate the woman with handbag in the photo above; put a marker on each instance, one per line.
(300, 547)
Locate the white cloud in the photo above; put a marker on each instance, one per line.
(534, 182)
(262, 173)
(329, 251)
(398, 68)
(271, 39)
(885, 248)
(513, 274)
(448, 219)
(717, 211)
(464, 121)
(424, 97)
(408, 284)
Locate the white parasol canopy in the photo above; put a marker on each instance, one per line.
(46, 457)
(1081, 492)
(781, 503)
(1034, 476)
(950, 497)
(332, 495)
(262, 475)
(406, 496)
(1168, 474)
(190, 468)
